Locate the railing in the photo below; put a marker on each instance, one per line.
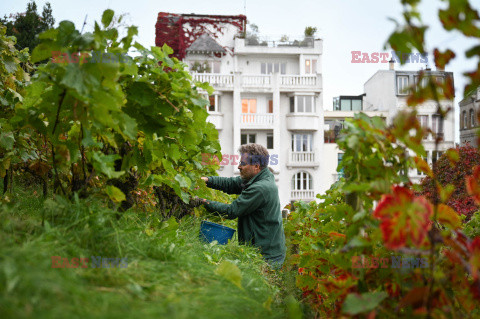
(298, 80)
(302, 157)
(257, 119)
(257, 80)
(220, 80)
(302, 194)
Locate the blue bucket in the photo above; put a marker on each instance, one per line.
(210, 231)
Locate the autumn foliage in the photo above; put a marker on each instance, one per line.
(448, 171)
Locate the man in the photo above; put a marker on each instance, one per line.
(258, 206)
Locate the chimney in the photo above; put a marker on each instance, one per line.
(391, 64)
(440, 68)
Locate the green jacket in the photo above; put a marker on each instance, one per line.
(257, 208)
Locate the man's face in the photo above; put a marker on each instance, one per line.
(247, 171)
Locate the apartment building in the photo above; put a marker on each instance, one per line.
(344, 107)
(387, 91)
(468, 118)
(266, 91)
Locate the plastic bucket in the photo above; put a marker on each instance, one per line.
(210, 231)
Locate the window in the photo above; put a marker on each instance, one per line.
(247, 138)
(339, 159)
(205, 66)
(273, 67)
(402, 84)
(310, 66)
(302, 142)
(440, 81)
(270, 106)
(213, 107)
(423, 83)
(345, 104)
(464, 119)
(270, 141)
(472, 118)
(436, 156)
(302, 181)
(423, 119)
(249, 107)
(302, 104)
(437, 125)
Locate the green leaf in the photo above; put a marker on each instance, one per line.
(7, 140)
(355, 304)
(107, 17)
(73, 78)
(104, 164)
(230, 272)
(115, 194)
(10, 64)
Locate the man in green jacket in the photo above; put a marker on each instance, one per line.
(258, 206)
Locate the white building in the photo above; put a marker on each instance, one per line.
(271, 92)
(387, 91)
(265, 92)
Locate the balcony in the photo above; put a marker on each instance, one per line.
(302, 122)
(256, 120)
(331, 136)
(215, 80)
(299, 81)
(302, 159)
(306, 195)
(216, 119)
(263, 81)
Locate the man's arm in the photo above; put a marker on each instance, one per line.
(249, 201)
(230, 185)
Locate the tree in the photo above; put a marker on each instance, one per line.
(27, 25)
(310, 31)
(454, 174)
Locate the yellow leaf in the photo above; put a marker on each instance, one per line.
(230, 272)
(448, 217)
(115, 194)
(149, 232)
(423, 166)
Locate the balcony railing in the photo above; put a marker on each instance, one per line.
(302, 195)
(302, 158)
(219, 80)
(298, 80)
(256, 80)
(259, 80)
(257, 119)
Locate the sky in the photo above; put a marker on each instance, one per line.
(343, 25)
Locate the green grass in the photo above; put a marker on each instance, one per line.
(170, 272)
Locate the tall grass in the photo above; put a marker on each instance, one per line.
(170, 271)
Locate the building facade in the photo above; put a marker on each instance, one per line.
(271, 93)
(387, 91)
(468, 118)
(266, 92)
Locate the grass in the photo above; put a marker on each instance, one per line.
(170, 271)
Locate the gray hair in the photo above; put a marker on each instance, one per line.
(257, 154)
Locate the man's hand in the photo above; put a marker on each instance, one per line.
(205, 179)
(197, 201)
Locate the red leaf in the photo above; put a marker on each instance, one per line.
(404, 217)
(473, 187)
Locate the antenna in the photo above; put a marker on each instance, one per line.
(245, 7)
(84, 23)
